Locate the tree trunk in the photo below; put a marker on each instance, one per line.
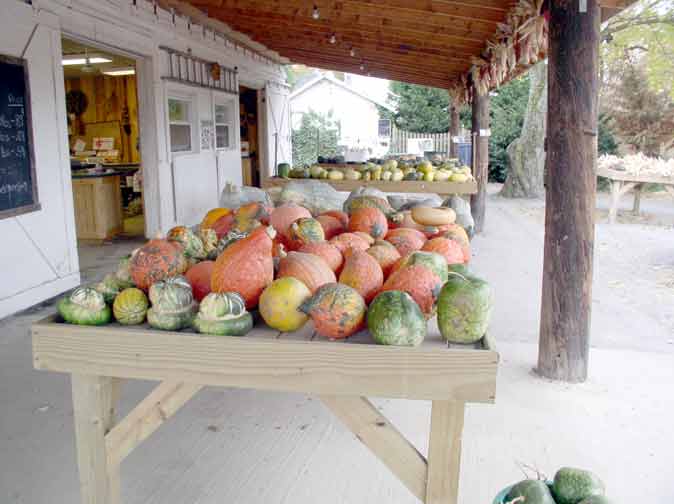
(480, 131)
(454, 126)
(570, 196)
(526, 154)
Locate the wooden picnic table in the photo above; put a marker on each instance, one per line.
(622, 182)
(342, 374)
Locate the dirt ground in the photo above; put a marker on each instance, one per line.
(248, 447)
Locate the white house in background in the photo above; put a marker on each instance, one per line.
(364, 134)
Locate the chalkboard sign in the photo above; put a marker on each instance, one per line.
(18, 186)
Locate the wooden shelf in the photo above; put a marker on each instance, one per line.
(404, 186)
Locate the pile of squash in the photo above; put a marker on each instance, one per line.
(366, 266)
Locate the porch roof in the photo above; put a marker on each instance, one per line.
(430, 42)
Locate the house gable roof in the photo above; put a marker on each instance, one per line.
(330, 78)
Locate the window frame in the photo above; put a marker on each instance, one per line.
(231, 140)
(191, 102)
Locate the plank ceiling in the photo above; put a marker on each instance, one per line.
(428, 42)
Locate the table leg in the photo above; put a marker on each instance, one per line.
(615, 197)
(94, 409)
(444, 452)
(637, 199)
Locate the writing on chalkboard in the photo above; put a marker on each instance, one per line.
(18, 192)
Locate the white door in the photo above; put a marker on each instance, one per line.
(277, 112)
(227, 141)
(40, 254)
(194, 171)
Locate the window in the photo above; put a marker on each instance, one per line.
(223, 126)
(384, 127)
(180, 125)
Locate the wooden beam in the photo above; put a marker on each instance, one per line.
(444, 452)
(454, 128)
(93, 410)
(383, 439)
(160, 405)
(480, 135)
(573, 89)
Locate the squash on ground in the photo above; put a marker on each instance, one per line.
(337, 310)
(246, 267)
(155, 261)
(430, 216)
(192, 245)
(308, 268)
(369, 220)
(394, 318)
(419, 282)
(326, 251)
(223, 225)
(280, 301)
(362, 272)
(254, 210)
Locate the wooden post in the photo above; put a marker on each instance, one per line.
(444, 452)
(94, 399)
(573, 83)
(480, 127)
(454, 126)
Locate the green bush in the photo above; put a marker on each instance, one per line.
(318, 135)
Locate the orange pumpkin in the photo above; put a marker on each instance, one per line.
(369, 220)
(246, 266)
(419, 282)
(459, 235)
(326, 251)
(223, 225)
(155, 261)
(309, 269)
(349, 240)
(199, 277)
(362, 272)
(337, 310)
(406, 240)
(449, 249)
(332, 226)
(342, 217)
(304, 230)
(386, 256)
(212, 216)
(368, 239)
(283, 216)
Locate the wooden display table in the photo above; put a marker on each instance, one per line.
(404, 186)
(341, 373)
(622, 182)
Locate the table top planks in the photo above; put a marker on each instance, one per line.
(267, 359)
(628, 177)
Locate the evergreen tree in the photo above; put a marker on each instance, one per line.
(318, 135)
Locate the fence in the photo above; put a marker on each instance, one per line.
(399, 140)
